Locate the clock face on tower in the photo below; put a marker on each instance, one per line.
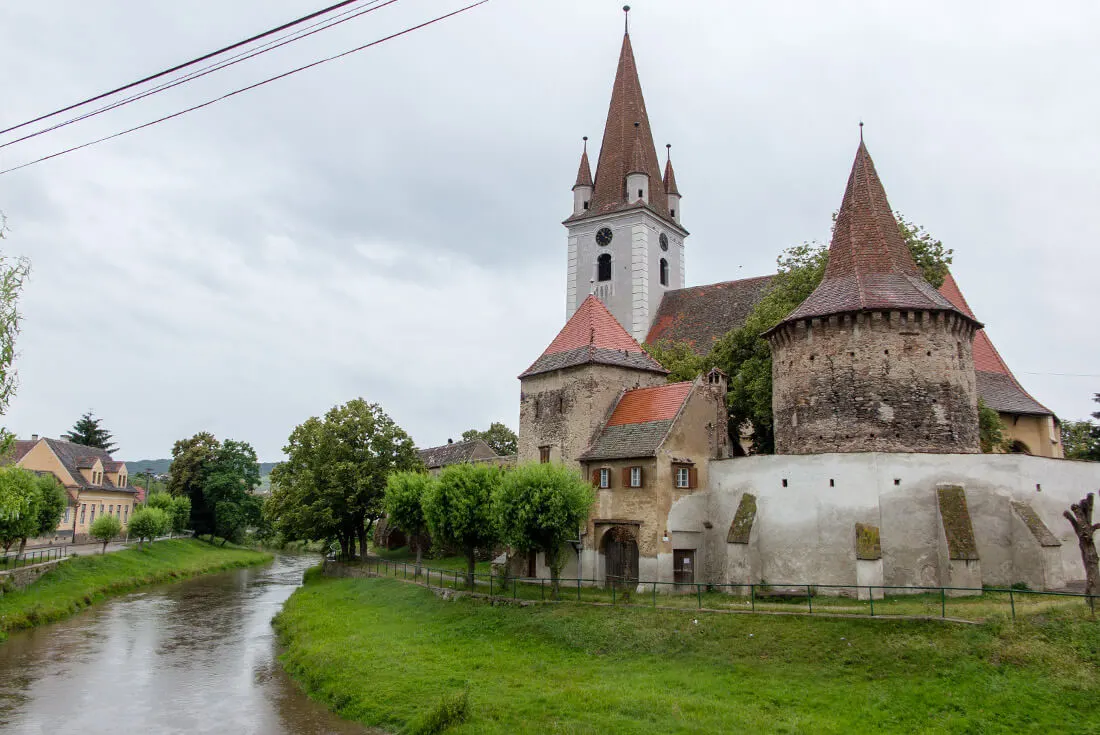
(664, 241)
(603, 236)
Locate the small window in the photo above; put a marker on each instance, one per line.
(66, 515)
(603, 267)
(683, 477)
(672, 213)
(126, 514)
(641, 195)
(635, 477)
(605, 478)
(664, 272)
(586, 205)
(111, 510)
(91, 519)
(544, 454)
(83, 507)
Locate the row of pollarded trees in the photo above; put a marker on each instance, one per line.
(534, 507)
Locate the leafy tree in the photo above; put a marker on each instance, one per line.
(991, 430)
(746, 357)
(148, 523)
(180, 514)
(498, 436)
(331, 486)
(89, 432)
(1081, 440)
(231, 479)
(459, 512)
(13, 274)
(540, 507)
(404, 505)
(164, 502)
(1079, 516)
(105, 528)
(191, 460)
(19, 491)
(678, 358)
(50, 503)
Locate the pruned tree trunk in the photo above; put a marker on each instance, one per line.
(471, 560)
(363, 531)
(1081, 520)
(344, 547)
(105, 546)
(22, 546)
(419, 551)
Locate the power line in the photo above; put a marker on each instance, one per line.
(234, 93)
(236, 59)
(1067, 375)
(184, 65)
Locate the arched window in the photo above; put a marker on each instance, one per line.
(664, 272)
(1018, 447)
(603, 267)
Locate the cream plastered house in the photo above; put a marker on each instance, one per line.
(97, 485)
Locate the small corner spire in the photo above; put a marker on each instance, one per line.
(626, 20)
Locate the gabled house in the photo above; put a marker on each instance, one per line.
(96, 483)
(474, 450)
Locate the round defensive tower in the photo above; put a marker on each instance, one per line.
(876, 359)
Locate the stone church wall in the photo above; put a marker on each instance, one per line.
(882, 381)
(807, 508)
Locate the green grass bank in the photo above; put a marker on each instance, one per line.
(395, 656)
(83, 581)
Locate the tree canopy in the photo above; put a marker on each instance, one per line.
(403, 503)
(88, 431)
(498, 436)
(105, 528)
(148, 523)
(1081, 439)
(459, 511)
(331, 486)
(745, 356)
(540, 507)
(13, 274)
(219, 480)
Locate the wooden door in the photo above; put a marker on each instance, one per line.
(683, 566)
(621, 559)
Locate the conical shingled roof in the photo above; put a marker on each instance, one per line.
(593, 335)
(670, 179)
(870, 267)
(620, 137)
(584, 171)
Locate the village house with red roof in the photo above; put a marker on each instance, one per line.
(878, 478)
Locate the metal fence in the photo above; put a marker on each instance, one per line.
(963, 603)
(34, 556)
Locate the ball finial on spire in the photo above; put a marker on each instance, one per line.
(860, 131)
(626, 19)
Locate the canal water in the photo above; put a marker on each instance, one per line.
(197, 656)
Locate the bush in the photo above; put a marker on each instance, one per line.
(148, 523)
(453, 709)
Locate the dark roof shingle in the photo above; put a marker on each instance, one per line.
(701, 315)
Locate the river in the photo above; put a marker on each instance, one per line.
(193, 657)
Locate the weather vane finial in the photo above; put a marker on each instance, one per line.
(860, 131)
(668, 150)
(626, 19)
(585, 139)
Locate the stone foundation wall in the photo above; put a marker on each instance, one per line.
(878, 381)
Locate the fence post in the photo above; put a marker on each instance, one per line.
(699, 595)
(578, 586)
(542, 590)
(810, 599)
(871, 597)
(513, 588)
(1012, 601)
(612, 592)
(752, 596)
(654, 594)
(943, 602)
(490, 584)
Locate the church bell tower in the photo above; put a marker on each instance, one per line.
(625, 240)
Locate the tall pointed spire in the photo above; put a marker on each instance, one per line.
(670, 175)
(870, 267)
(584, 172)
(627, 142)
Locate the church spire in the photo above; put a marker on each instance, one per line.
(670, 176)
(584, 172)
(627, 143)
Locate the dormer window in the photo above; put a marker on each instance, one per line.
(586, 205)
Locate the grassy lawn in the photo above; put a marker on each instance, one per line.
(80, 582)
(387, 653)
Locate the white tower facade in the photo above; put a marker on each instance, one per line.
(625, 240)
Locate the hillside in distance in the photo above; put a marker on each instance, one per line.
(160, 467)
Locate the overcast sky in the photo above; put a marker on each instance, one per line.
(388, 225)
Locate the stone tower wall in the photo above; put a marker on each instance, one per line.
(562, 409)
(875, 382)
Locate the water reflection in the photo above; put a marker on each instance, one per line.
(192, 657)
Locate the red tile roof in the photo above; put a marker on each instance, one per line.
(620, 139)
(643, 405)
(593, 334)
(701, 315)
(670, 178)
(997, 386)
(870, 267)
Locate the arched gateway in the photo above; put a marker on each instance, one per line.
(620, 553)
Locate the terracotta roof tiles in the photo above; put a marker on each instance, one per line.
(701, 315)
(658, 403)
